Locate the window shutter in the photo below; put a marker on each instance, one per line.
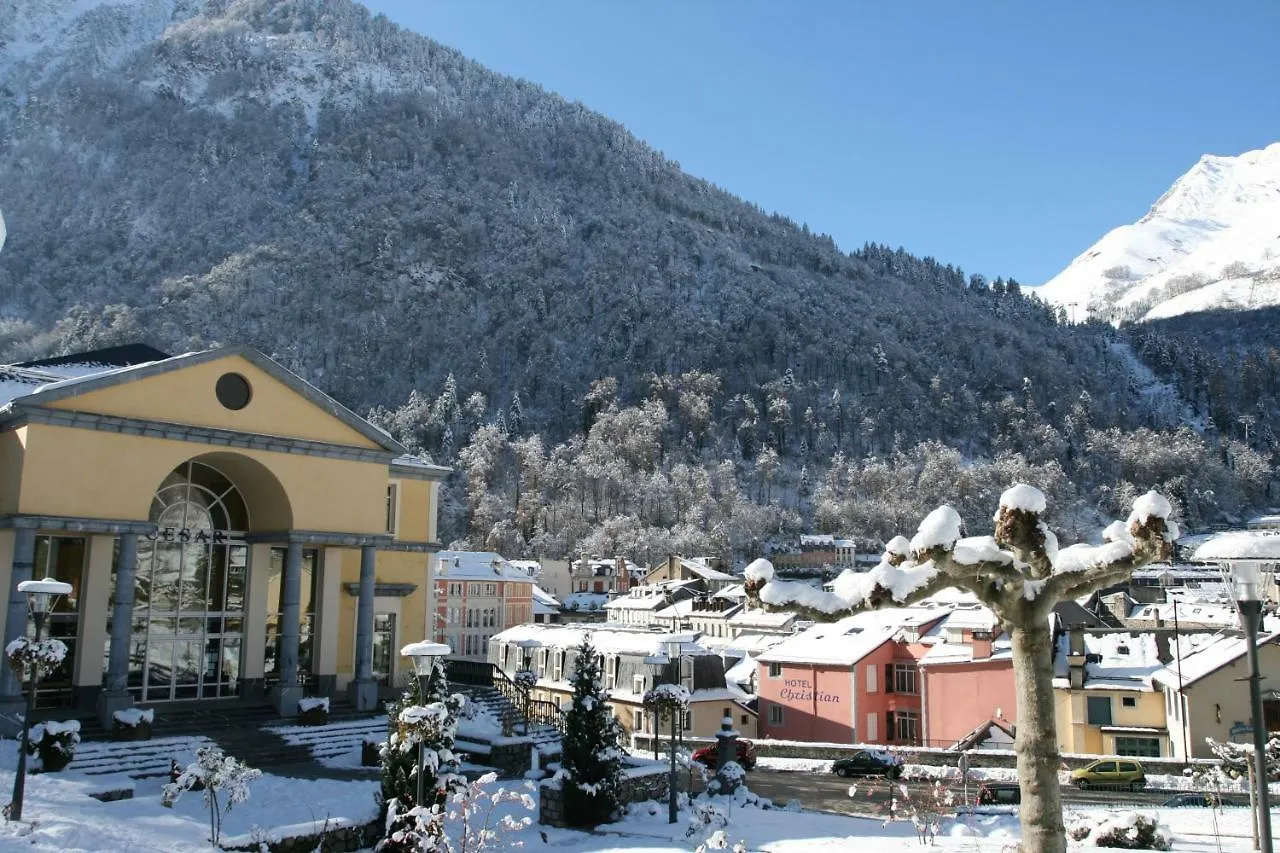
(889, 730)
(888, 678)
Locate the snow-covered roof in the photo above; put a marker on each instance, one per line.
(849, 640)
(742, 672)
(607, 640)
(544, 603)
(963, 619)
(1241, 545)
(586, 600)
(478, 566)
(1125, 660)
(1205, 660)
(699, 567)
(733, 592)
(1190, 612)
(760, 618)
(825, 539)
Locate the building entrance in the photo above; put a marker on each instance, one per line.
(189, 592)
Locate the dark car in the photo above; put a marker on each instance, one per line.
(1205, 799)
(868, 762)
(746, 755)
(999, 794)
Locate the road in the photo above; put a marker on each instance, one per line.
(828, 792)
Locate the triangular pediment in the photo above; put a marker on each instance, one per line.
(185, 390)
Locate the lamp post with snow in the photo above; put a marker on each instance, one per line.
(424, 656)
(1243, 555)
(41, 596)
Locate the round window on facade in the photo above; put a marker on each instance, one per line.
(233, 391)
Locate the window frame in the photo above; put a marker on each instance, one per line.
(777, 716)
(393, 507)
(1094, 719)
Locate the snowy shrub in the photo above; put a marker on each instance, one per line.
(464, 823)
(1132, 831)
(43, 657)
(705, 818)
(718, 840)
(313, 703)
(925, 810)
(216, 776)
(430, 720)
(133, 717)
(526, 679)
(55, 742)
(1123, 830)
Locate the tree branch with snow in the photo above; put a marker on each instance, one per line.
(1020, 574)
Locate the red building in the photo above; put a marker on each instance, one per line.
(966, 677)
(852, 681)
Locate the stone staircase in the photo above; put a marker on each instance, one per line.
(253, 732)
(490, 701)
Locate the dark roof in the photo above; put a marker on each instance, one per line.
(121, 356)
(1072, 615)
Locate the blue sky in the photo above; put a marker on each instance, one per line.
(1005, 137)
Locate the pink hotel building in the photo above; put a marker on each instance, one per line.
(918, 675)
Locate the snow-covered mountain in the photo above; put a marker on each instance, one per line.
(1211, 242)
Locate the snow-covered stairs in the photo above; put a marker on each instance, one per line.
(139, 759)
(333, 740)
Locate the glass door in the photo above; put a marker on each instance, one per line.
(384, 644)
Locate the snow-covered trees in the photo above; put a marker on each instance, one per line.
(1020, 573)
(222, 780)
(432, 720)
(591, 763)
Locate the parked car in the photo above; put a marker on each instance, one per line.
(746, 755)
(1206, 799)
(999, 794)
(1110, 773)
(868, 762)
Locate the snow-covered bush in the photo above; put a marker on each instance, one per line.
(429, 719)
(132, 724)
(526, 679)
(1123, 830)
(925, 810)
(704, 818)
(463, 823)
(592, 755)
(43, 656)
(55, 742)
(313, 711)
(718, 840)
(217, 776)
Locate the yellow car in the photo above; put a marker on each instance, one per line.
(1110, 773)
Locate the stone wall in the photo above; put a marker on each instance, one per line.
(765, 748)
(335, 840)
(640, 783)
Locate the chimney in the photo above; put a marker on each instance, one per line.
(981, 642)
(1075, 657)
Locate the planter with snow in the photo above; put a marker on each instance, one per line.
(132, 724)
(313, 711)
(55, 743)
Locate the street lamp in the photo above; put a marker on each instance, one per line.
(526, 665)
(1244, 554)
(424, 656)
(41, 596)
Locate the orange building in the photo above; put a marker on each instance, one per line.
(966, 677)
(479, 594)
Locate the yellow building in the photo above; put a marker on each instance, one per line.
(1105, 699)
(227, 529)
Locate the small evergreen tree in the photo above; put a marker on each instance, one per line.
(592, 757)
(399, 753)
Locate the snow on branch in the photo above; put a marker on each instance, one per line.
(1020, 564)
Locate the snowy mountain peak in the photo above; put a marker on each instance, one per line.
(1210, 242)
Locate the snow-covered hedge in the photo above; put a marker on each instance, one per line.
(55, 742)
(133, 717)
(1123, 830)
(313, 703)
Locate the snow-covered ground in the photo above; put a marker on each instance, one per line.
(60, 816)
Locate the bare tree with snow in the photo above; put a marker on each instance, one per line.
(1020, 574)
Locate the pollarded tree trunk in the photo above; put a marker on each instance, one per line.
(1036, 742)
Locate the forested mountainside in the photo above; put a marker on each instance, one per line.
(615, 354)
